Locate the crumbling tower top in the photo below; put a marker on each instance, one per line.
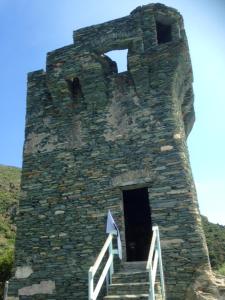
(145, 28)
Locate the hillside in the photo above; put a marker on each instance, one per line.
(9, 188)
(9, 194)
(215, 237)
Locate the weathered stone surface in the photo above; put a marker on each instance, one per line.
(23, 272)
(44, 287)
(90, 133)
(166, 148)
(207, 287)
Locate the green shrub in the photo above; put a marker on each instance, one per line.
(6, 264)
(221, 270)
(215, 238)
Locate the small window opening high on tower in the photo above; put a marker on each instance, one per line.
(75, 88)
(164, 32)
(120, 57)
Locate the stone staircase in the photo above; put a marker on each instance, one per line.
(130, 285)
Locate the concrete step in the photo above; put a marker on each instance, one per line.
(128, 296)
(131, 296)
(134, 266)
(128, 288)
(134, 276)
(131, 284)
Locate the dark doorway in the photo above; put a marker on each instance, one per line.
(138, 224)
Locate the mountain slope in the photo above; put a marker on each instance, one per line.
(215, 237)
(9, 194)
(9, 188)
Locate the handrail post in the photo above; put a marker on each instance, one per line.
(160, 265)
(107, 282)
(151, 285)
(154, 264)
(111, 270)
(6, 290)
(90, 284)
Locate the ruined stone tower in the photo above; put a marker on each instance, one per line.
(96, 140)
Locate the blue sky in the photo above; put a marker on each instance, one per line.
(31, 28)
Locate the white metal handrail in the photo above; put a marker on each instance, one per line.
(108, 269)
(154, 262)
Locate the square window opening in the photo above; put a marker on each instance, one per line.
(164, 33)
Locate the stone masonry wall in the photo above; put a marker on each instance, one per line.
(90, 133)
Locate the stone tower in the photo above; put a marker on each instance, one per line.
(96, 140)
